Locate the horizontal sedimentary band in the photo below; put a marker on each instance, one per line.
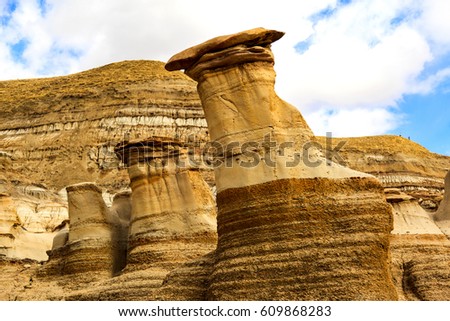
(303, 239)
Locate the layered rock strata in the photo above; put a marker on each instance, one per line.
(90, 244)
(55, 265)
(420, 251)
(173, 216)
(442, 215)
(60, 131)
(28, 225)
(72, 123)
(29, 214)
(414, 182)
(8, 219)
(396, 161)
(172, 219)
(291, 225)
(95, 244)
(170, 215)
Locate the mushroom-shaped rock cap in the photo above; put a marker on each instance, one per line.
(252, 37)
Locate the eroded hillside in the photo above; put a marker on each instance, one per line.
(55, 132)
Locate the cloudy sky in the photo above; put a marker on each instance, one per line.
(353, 67)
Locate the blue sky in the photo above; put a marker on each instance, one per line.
(427, 116)
(427, 120)
(352, 67)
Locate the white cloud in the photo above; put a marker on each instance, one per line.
(347, 72)
(362, 59)
(435, 22)
(359, 59)
(26, 25)
(157, 29)
(430, 83)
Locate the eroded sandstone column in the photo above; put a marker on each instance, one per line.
(173, 217)
(90, 247)
(291, 225)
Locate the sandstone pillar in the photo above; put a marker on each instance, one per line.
(291, 225)
(90, 246)
(173, 216)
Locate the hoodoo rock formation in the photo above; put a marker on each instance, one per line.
(90, 244)
(125, 252)
(285, 223)
(173, 216)
(56, 132)
(291, 224)
(95, 244)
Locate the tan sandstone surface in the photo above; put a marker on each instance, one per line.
(290, 223)
(55, 132)
(283, 228)
(414, 185)
(397, 162)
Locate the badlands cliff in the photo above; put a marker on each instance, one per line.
(130, 182)
(55, 132)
